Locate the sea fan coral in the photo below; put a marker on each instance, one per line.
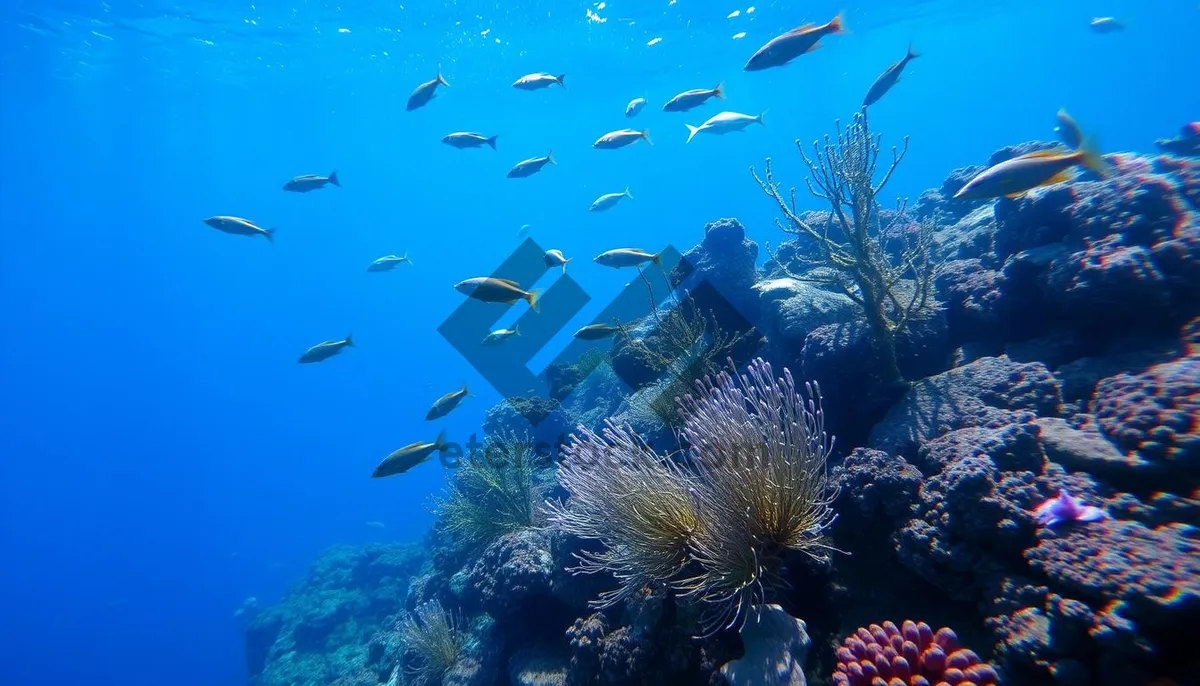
(910, 655)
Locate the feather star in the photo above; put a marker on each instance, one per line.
(1067, 508)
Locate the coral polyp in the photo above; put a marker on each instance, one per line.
(909, 655)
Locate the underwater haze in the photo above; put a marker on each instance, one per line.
(165, 456)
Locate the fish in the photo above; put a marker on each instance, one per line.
(725, 122)
(500, 335)
(532, 82)
(626, 257)
(1067, 508)
(595, 332)
(784, 48)
(489, 289)
(465, 139)
(388, 262)
(608, 200)
(311, 182)
(634, 107)
(555, 258)
(619, 139)
(326, 350)
(240, 227)
(376, 525)
(524, 230)
(445, 404)
(889, 78)
(693, 98)
(1013, 177)
(409, 456)
(425, 92)
(530, 166)
(1068, 131)
(1106, 25)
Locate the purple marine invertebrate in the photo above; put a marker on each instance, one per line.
(909, 655)
(1066, 508)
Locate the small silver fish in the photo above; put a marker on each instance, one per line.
(595, 332)
(445, 404)
(524, 230)
(240, 227)
(725, 122)
(530, 166)
(693, 98)
(532, 82)
(621, 138)
(784, 48)
(376, 525)
(500, 335)
(388, 263)
(634, 107)
(492, 290)
(425, 92)
(311, 182)
(555, 258)
(466, 139)
(1106, 25)
(608, 200)
(889, 78)
(626, 257)
(1068, 131)
(409, 456)
(326, 350)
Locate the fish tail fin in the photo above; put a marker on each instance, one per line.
(1090, 157)
(912, 54)
(837, 25)
(516, 329)
(406, 258)
(492, 141)
(692, 131)
(440, 443)
(333, 178)
(532, 298)
(441, 79)
(759, 118)
(628, 194)
(718, 92)
(550, 157)
(349, 341)
(656, 258)
(561, 80)
(564, 266)
(270, 234)
(646, 136)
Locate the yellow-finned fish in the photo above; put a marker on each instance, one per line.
(326, 350)
(1014, 177)
(784, 48)
(409, 456)
(626, 257)
(445, 404)
(489, 289)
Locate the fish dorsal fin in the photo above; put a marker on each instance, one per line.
(1053, 152)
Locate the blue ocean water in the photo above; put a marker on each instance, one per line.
(163, 454)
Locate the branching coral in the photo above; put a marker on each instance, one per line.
(432, 637)
(493, 493)
(851, 254)
(752, 485)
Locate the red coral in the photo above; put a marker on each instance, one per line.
(911, 655)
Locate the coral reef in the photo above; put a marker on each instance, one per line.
(909, 655)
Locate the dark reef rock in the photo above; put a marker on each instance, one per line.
(974, 305)
(873, 486)
(1187, 143)
(790, 309)
(320, 633)
(989, 392)
(512, 573)
(724, 261)
(542, 420)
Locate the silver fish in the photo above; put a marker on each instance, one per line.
(725, 122)
(555, 258)
(693, 98)
(784, 48)
(326, 350)
(595, 332)
(425, 92)
(465, 139)
(388, 263)
(530, 166)
(311, 182)
(532, 82)
(1106, 25)
(409, 456)
(621, 138)
(240, 227)
(445, 404)
(500, 335)
(608, 200)
(625, 257)
(634, 107)
(889, 78)
(492, 290)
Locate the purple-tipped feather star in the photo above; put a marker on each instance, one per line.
(1066, 508)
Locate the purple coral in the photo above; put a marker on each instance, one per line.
(1065, 508)
(909, 655)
